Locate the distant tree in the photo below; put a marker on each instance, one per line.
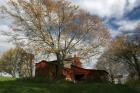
(112, 65)
(126, 51)
(59, 27)
(17, 62)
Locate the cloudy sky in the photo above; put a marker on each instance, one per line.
(120, 16)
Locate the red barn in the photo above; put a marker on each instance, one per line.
(77, 73)
(46, 69)
(72, 70)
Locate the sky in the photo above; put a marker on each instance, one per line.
(120, 16)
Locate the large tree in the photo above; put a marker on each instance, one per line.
(58, 26)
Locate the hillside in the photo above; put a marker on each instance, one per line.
(11, 85)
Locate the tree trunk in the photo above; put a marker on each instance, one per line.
(33, 68)
(137, 66)
(59, 66)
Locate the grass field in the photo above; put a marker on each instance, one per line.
(11, 85)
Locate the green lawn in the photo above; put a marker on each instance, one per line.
(11, 85)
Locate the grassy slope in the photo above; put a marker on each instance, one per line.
(10, 85)
(135, 84)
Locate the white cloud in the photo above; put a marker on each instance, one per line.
(126, 25)
(115, 33)
(108, 8)
(4, 44)
(3, 2)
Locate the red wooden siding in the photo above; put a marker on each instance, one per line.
(46, 69)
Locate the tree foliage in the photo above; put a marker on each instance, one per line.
(126, 51)
(17, 62)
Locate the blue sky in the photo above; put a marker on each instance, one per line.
(120, 16)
